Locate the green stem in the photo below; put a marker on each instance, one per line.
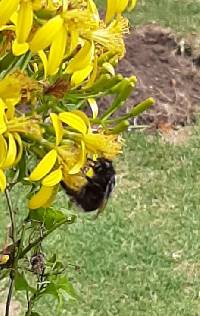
(41, 238)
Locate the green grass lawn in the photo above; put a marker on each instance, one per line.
(142, 256)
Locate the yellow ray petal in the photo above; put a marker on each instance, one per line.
(24, 21)
(93, 9)
(2, 181)
(111, 10)
(80, 75)
(3, 126)
(81, 162)
(44, 166)
(74, 121)
(74, 40)
(94, 107)
(19, 148)
(3, 150)
(11, 153)
(7, 8)
(132, 5)
(19, 49)
(83, 116)
(57, 51)
(4, 259)
(44, 35)
(82, 59)
(109, 68)
(53, 178)
(57, 125)
(43, 58)
(121, 5)
(42, 198)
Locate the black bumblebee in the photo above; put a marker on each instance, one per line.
(95, 193)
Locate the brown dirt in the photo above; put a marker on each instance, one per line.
(173, 80)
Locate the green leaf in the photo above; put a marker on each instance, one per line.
(51, 289)
(50, 217)
(35, 314)
(21, 284)
(63, 283)
(22, 167)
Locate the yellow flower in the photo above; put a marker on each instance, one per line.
(24, 24)
(7, 8)
(117, 7)
(11, 152)
(74, 142)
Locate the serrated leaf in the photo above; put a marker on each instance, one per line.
(51, 289)
(64, 284)
(49, 217)
(21, 284)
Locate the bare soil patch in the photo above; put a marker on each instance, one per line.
(172, 78)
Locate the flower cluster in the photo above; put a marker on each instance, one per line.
(66, 35)
(57, 59)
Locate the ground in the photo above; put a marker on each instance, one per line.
(142, 256)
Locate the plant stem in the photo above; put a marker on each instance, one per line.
(12, 217)
(14, 239)
(41, 238)
(9, 296)
(16, 257)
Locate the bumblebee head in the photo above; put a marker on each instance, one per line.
(103, 166)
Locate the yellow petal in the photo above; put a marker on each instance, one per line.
(53, 178)
(42, 198)
(74, 121)
(19, 148)
(4, 259)
(83, 116)
(44, 166)
(44, 35)
(109, 68)
(74, 40)
(3, 150)
(2, 181)
(93, 9)
(19, 49)
(94, 107)
(81, 162)
(57, 125)
(111, 9)
(121, 5)
(24, 21)
(82, 59)
(57, 51)
(10, 88)
(8, 28)
(7, 8)
(3, 126)
(80, 75)
(132, 5)
(106, 145)
(93, 75)
(43, 58)
(11, 153)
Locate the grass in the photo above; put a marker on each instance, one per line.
(142, 257)
(182, 16)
